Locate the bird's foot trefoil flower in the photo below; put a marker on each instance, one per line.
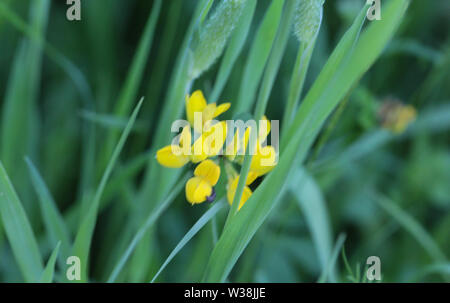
(203, 142)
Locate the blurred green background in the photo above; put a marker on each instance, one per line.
(388, 193)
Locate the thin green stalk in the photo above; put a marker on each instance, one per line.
(207, 216)
(264, 93)
(130, 88)
(83, 238)
(151, 219)
(297, 82)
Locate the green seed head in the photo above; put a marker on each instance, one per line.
(307, 19)
(214, 34)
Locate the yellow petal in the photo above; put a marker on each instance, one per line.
(199, 153)
(264, 160)
(210, 143)
(185, 139)
(215, 138)
(221, 109)
(251, 177)
(238, 146)
(208, 113)
(405, 116)
(194, 103)
(209, 171)
(171, 156)
(197, 190)
(232, 186)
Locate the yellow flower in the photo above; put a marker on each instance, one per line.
(210, 143)
(197, 103)
(405, 116)
(175, 156)
(264, 160)
(396, 116)
(232, 186)
(200, 187)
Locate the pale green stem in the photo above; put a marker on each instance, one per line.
(297, 82)
(263, 96)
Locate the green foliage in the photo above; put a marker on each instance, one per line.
(78, 174)
(213, 35)
(308, 16)
(18, 230)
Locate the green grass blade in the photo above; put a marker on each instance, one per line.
(276, 55)
(79, 80)
(440, 268)
(124, 174)
(359, 55)
(146, 226)
(311, 201)
(207, 216)
(129, 90)
(53, 220)
(160, 69)
(331, 264)
(173, 106)
(266, 87)
(134, 77)
(234, 48)
(22, 93)
(158, 181)
(297, 81)
(47, 275)
(113, 122)
(413, 227)
(84, 236)
(257, 58)
(18, 230)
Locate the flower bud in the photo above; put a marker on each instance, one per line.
(214, 34)
(308, 17)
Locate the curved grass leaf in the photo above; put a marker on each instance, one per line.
(83, 238)
(49, 271)
(413, 227)
(145, 227)
(18, 230)
(158, 181)
(311, 201)
(266, 87)
(234, 48)
(54, 222)
(440, 268)
(173, 106)
(22, 91)
(346, 66)
(134, 77)
(331, 264)
(113, 122)
(257, 58)
(207, 216)
(78, 78)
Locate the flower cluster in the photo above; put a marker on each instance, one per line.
(396, 116)
(203, 141)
